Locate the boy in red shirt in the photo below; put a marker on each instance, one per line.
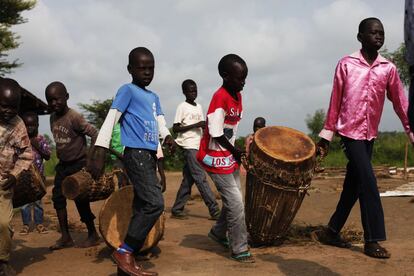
(221, 159)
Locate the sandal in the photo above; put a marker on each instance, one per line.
(244, 257)
(375, 250)
(25, 230)
(324, 237)
(222, 241)
(61, 245)
(41, 229)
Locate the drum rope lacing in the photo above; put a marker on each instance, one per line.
(263, 178)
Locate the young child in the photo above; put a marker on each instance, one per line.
(69, 130)
(361, 82)
(221, 159)
(16, 156)
(41, 151)
(189, 123)
(258, 123)
(142, 122)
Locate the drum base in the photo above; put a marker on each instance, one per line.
(269, 211)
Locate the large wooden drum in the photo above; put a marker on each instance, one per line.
(115, 216)
(282, 162)
(29, 187)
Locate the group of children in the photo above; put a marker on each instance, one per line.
(361, 82)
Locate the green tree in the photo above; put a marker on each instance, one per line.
(315, 122)
(10, 14)
(398, 58)
(96, 112)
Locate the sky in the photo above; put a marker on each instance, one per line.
(291, 49)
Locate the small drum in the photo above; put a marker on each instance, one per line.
(115, 216)
(29, 187)
(81, 185)
(281, 166)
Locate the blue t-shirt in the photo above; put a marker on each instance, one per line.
(139, 108)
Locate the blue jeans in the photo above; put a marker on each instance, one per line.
(232, 218)
(148, 203)
(360, 183)
(26, 212)
(194, 173)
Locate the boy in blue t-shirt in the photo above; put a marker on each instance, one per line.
(142, 121)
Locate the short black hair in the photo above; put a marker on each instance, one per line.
(138, 51)
(186, 83)
(364, 23)
(11, 84)
(30, 114)
(259, 119)
(57, 84)
(226, 63)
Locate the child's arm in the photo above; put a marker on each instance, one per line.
(96, 161)
(396, 94)
(160, 164)
(177, 127)
(41, 146)
(332, 115)
(222, 140)
(23, 155)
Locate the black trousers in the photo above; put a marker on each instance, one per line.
(360, 183)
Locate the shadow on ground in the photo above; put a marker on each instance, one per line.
(297, 266)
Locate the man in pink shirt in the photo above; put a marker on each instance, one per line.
(361, 82)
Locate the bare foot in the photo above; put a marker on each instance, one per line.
(92, 240)
(62, 243)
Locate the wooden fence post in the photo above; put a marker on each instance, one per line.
(405, 161)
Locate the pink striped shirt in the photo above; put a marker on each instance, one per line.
(358, 95)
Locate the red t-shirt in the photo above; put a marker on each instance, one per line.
(223, 117)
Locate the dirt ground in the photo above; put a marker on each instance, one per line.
(186, 250)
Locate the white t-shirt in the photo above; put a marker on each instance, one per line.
(188, 114)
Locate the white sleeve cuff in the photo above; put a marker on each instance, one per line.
(326, 134)
(162, 126)
(105, 133)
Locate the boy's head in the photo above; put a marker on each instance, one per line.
(10, 95)
(141, 66)
(189, 90)
(233, 70)
(57, 97)
(31, 120)
(259, 123)
(371, 34)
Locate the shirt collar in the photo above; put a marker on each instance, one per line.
(358, 55)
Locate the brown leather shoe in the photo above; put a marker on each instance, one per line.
(126, 262)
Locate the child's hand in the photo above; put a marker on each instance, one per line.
(238, 155)
(169, 141)
(163, 185)
(8, 181)
(95, 164)
(201, 124)
(35, 143)
(322, 148)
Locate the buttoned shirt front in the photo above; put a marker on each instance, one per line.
(358, 95)
(15, 150)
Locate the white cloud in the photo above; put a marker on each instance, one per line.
(291, 49)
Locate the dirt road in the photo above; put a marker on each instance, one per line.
(186, 250)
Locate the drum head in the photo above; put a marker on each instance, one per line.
(283, 143)
(115, 216)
